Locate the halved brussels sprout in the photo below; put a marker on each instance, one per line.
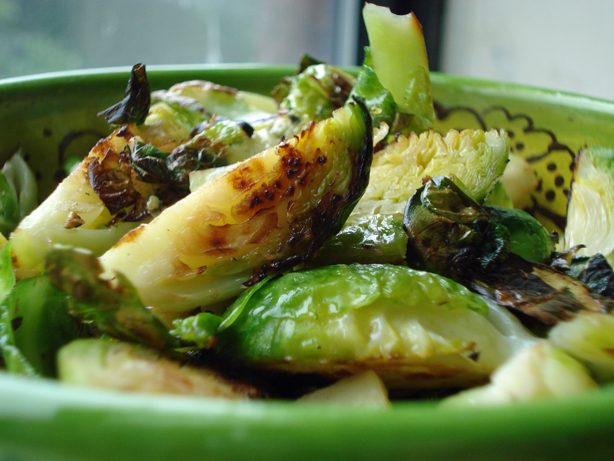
(397, 171)
(223, 101)
(74, 213)
(414, 329)
(270, 213)
(475, 157)
(590, 338)
(590, 213)
(537, 372)
(128, 367)
(364, 390)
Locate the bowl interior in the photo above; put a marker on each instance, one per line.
(53, 117)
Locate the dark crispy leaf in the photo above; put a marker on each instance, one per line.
(208, 149)
(135, 105)
(449, 231)
(111, 179)
(536, 290)
(149, 163)
(113, 306)
(592, 270)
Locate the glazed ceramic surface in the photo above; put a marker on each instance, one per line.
(53, 117)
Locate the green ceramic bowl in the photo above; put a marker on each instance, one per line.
(52, 117)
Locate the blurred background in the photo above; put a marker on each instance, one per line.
(560, 44)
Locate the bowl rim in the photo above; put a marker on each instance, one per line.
(437, 78)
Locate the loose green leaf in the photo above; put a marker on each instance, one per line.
(7, 275)
(198, 330)
(369, 239)
(499, 196)
(528, 237)
(14, 360)
(378, 99)
(111, 305)
(40, 323)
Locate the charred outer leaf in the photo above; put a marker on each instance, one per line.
(330, 214)
(594, 271)
(135, 105)
(111, 179)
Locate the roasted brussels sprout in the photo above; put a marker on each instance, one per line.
(267, 215)
(452, 235)
(537, 372)
(130, 367)
(475, 157)
(590, 216)
(415, 329)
